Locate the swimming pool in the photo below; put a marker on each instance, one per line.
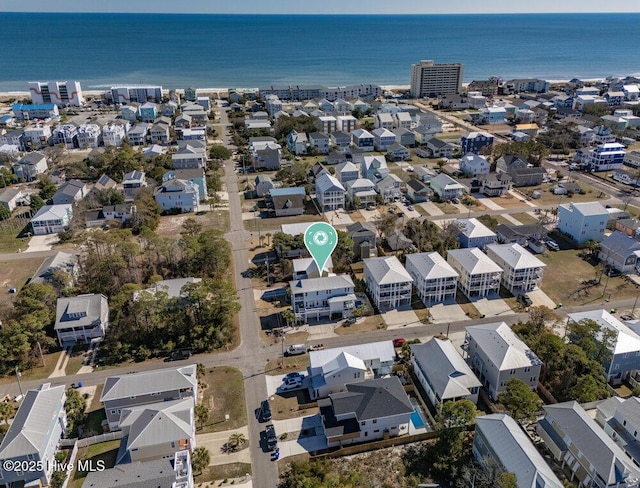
(416, 419)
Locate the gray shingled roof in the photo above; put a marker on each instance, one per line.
(150, 474)
(80, 311)
(372, 399)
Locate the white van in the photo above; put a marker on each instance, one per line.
(296, 349)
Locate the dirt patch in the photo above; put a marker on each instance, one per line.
(368, 324)
(171, 225)
(14, 275)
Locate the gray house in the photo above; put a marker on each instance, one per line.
(60, 261)
(364, 240)
(70, 192)
(33, 436)
(30, 166)
(146, 388)
(82, 318)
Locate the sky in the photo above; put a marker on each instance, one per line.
(315, 7)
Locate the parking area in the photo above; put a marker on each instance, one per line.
(274, 383)
(431, 208)
(399, 319)
(338, 218)
(370, 215)
(411, 214)
(451, 312)
(42, 243)
(492, 306)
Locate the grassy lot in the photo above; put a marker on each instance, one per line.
(447, 208)
(291, 363)
(468, 307)
(224, 395)
(171, 225)
(10, 242)
(525, 218)
(75, 363)
(567, 287)
(15, 274)
(273, 224)
(548, 198)
(39, 372)
(223, 472)
(373, 322)
(95, 413)
(509, 201)
(105, 451)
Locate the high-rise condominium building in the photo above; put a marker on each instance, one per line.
(430, 80)
(60, 93)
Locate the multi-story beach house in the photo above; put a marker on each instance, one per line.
(331, 297)
(81, 319)
(474, 233)
(60, 93)
(583, 222)
(330, 193)
(434, 279)
(182, 195)
(521, 270)
(479, 275)
(388, 282)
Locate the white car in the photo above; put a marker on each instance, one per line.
(291, 384)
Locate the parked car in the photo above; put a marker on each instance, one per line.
(349, 321)
(272, 439)
(292, 384)
(551, 244)
(399, 342)
(265, 411)
(524, 300)
(179, 355)
(410, 208)
(455, 200)
(296, 349)
(294, 375)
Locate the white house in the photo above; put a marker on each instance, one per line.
(89, 136)
(583, 221)
(327, 124)
(402, 120)
(331, 297)
(177, 194)
(11, 197)
(446, 187)
(297, 142)
(625, 346)
(305, 268)
(434, 279)
(499, 442)
(497, 355)
(474, 233)
(388, 282)
(51, 219)
(33, 437)
(113, 135)
(383, 138)
(30, 166)
(521, 270)
(474, 165)
(362, 189)
(576, 440)
(331, 369)
(346, 123)
(479, 276)
(384, 120)
(369, 410)
(443, 373)
(320, 141)
(81, 319)
(390, 187)
(493, 115)
(330, 193)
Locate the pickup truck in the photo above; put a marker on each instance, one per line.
(272, 439)
(179, 355)
(296, 349)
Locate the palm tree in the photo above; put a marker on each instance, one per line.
(200, 459)
(202, 413)
(237, 440)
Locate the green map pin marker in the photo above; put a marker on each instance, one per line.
(321, 239)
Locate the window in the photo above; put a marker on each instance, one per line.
(113, 412)
(364, 422)
(366, 434)
(375, 421)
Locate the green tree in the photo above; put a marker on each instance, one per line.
(288, 316)
(75, 407)
(36, 203)
(200, 459)
(191, 227)
(6, 412)
(343, 254)
(202, 414)
(519, 400)
(236, 441)
(507, 480)
(219, 152)
(46, 188)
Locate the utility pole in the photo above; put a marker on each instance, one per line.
(41, 355)
(282, 362)
(18, 374)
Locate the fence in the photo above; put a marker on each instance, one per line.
(71, 461)
(90, 441)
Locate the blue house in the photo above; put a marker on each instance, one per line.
(474, 141)
(148, 112)
(474, 233)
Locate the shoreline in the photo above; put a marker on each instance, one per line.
(399, 87)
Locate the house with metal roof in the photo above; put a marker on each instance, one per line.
(60, 261)
(327, 366)
(81, 318)
(521, 270)
(497, 355)
(369, 410)
(157, 430)
(172, 472)
(363, 190)
(620, 419)
(331, 297)
(330, 193)
(434, 279)
(479, 275)
(182, 195)
(500, 442)
(443, 373)
(11, 197)
(446, 187)
(51, 219)
(374, 167)
(579, 443)
(624, 356)
(474, 233)
(585, 221)
(33, 437)
(388, 282)
(362, 139)
(474, 165)
(305, 268)
(383, 138)
(390, 187)
(147, 388)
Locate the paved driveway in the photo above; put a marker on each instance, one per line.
(338, 218)
(399, 319)
(431, 208)
(296, 443)
(447, 312)
(42, 243)
(538, 297)
(493, 306)
(214, 442)
(370, 215)
(489, 203)
(274, 382)
(411, 214)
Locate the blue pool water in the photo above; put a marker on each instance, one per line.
(416, 419)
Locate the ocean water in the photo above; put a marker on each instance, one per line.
(177, 51)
